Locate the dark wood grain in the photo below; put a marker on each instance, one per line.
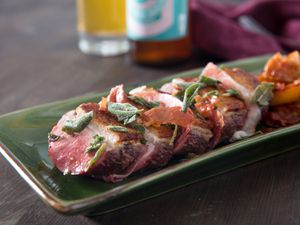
(40, 62)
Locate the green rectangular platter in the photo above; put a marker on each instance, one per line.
(23, 142)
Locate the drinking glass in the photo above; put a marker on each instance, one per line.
(102, 27)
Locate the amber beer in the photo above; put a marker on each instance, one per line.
(102, 26)
(158, 31)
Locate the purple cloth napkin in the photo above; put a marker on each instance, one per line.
(252, 28)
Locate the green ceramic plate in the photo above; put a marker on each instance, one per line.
(23, 141)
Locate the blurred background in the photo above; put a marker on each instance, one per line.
(39, 46)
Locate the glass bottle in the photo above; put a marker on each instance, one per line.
(158, 31)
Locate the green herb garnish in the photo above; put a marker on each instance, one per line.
(125, 112)
(174, 135)
(143, 102)
(189, 95)
(180, 94)
(95, 143)
(209, 81)
(185, 85)
(78, 124)
(191, 90)
(53, 137)
(231, 92)
(143, 141)
(127, 120)
(263, 94)
(96, 156)
(117, 128)
(138, 127)
(211, 93)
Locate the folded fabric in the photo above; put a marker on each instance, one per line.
(242, 30)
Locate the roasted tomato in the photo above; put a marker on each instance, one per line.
(284, 71)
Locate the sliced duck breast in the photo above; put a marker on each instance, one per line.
(157, 138)
(245, 84)
(227, 113)
(69, 151)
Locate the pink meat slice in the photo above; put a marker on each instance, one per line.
(68, 153)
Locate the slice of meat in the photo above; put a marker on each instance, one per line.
(227, 81)
(194, 136)
(245, 84)
(234, 113)
(122, 151)
(194, 139)
(227, 113)
(158, 148)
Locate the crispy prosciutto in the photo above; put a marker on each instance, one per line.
(283, 115)
(194, 134)
(145, 128)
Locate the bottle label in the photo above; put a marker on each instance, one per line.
(156, 19)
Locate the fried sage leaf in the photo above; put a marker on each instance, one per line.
(125, 112)
(185, 85)
(209, 81)
(143, 102)
(95, 143)
(117, 128)
(189, 95)
(138, 127)
(97, 155)
(231, 92)
(263, 94)
(78, 124)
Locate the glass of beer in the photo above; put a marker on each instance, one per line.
(102, 27)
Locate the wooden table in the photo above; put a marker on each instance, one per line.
(40, 62)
